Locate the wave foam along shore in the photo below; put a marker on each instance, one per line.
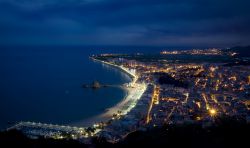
(125, 105)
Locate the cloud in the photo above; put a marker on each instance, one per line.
(35, 4)
(128, 22)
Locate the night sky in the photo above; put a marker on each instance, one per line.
(208, 23)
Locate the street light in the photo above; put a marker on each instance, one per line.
(212, 112)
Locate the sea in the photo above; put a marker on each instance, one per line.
(44, 83)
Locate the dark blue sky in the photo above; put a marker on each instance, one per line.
(208, 23)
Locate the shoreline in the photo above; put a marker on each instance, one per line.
(125, 105)
(132, 76)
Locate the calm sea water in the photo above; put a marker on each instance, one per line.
(43, 84)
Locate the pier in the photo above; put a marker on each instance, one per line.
(29, 124)
(97, 85)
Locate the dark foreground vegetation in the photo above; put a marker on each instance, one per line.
(227, 132)
(15, 138)
(165, 78)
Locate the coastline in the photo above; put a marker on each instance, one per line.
(125, 105)
(132, 76)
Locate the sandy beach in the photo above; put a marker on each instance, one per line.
(133, 94)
